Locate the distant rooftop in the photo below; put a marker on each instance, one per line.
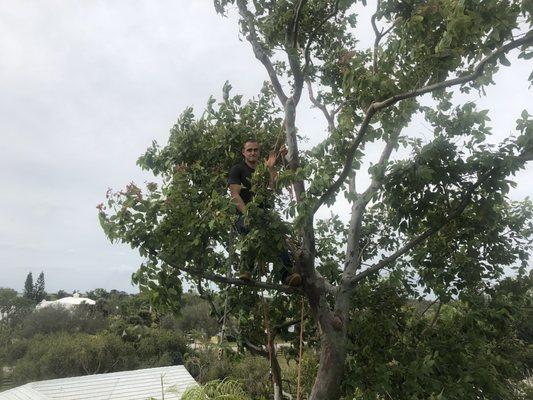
(67, 302)
(141, 384)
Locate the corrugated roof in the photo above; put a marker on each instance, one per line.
(140, 384)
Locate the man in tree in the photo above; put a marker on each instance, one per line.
(239, 182)
(435, 217)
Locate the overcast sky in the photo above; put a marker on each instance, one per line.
(85, 88)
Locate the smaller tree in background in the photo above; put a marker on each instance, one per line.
(38, 290)
(61, 294)
(28, 286)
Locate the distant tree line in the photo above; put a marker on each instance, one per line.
(417, 346)
(34, 291)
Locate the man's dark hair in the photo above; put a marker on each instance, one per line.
(251, 140)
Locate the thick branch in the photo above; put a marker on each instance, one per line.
(292, 146)
(478, 70)
(467, 197)
(293, 29)
(259, 52)
(353, 254)
(377, 39)
(378, 106)
(237, 282)
(291, 47)
(294, 62)
(198, 273)
(255, 349)
(278, 328)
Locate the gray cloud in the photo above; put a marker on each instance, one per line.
(86, 86)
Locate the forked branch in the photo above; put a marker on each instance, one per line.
(353, 253)
(259, 51)
(200, 273)
(466, 200)
(380, 34)
(526, 40)
(295, 25)
(293, 51)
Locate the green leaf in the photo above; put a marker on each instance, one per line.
(504, 61)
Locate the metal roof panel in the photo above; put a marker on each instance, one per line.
(126, 385)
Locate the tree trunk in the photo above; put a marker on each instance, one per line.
(331, 365)
(275, 370)
(332, 327)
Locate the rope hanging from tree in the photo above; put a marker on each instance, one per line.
(298, 380)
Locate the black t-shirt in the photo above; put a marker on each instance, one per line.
(241, 174)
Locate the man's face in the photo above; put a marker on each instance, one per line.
(250, 152)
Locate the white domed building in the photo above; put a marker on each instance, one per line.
(66, 302)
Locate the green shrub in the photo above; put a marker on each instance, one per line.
(197, 317)
(159, 347)
(46, 320)
(217, 390)
(212, 364)
(309, 369)
(14, 350)
(254, 372)
(470, 348)
(61, 355)
(209, 364)
(58, 319)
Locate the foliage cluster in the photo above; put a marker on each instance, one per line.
(62, 354)
(119, 333)
(477, 344)
(217, 390)
(212, 364)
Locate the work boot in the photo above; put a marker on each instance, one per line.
(245, 276)
(293, 279)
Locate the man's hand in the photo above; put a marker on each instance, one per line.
(270, 162)
(283, 151)
(235, 192)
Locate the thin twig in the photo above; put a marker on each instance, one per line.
(320, 106)
(377, 39)
(428, 307)
(433, 320)
(314, 33)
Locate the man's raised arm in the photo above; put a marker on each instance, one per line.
(270, 163)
